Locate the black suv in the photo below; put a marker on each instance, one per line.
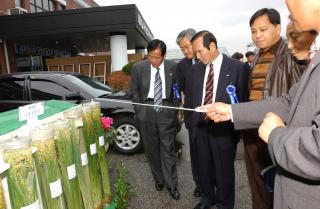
(24, 88)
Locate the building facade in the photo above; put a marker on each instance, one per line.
(32, 31)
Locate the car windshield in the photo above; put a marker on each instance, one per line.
(94, 83)
(93, 87)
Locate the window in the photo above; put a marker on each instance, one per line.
(42, 89)
(41, 6)
(11, 89)
(45, 5)
(18, 3)
(51, 5)
(32, 8)
(39, 3)
(94, 83)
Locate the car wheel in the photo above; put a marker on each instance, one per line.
(128, 140)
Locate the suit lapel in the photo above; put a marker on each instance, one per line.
(168, 79)
(146, 79)
(303, 82)
(198, 76)
(224, 79)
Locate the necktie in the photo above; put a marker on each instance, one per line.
(157, 90)
(209, 87)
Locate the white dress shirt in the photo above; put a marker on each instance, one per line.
(152, 78)
(216, 70)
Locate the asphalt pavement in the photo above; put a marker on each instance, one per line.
(148, 197)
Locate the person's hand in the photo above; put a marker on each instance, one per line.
(270, 122)
(218, 112)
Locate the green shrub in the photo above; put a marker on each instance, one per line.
(128, 67)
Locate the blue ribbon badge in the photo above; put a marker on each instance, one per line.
(231, 90)
(176, 93)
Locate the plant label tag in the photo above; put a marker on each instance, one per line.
(56, 188)
(31, 112)
(78, 123)
(35, 205)
(84, 159)
(71, 171)
(93, 149)
(101, 141)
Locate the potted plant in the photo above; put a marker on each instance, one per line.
(123, 190)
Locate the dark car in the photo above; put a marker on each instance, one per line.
(29, 87)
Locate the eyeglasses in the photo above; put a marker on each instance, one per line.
(185, 47)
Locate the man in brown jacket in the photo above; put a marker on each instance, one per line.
(274, 72)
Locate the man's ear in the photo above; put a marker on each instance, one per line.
(278, 28)
(212, 45)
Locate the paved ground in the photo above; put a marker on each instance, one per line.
(149, 198)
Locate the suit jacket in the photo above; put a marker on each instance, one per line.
(184, 75)
(294, 149)
(232, 72)
(140, 84)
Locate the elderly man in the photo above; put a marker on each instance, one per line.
(184, 72)
(289, 124)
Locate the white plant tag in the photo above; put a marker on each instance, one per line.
(84, 159)
(35, 205)
(93, 149)
(101, 141)
(71, 171)
(56, 188)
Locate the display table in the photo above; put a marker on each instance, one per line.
(9, 121)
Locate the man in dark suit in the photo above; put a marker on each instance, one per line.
(249, 58)
(216, 143)
(184, 74)
(152, 83)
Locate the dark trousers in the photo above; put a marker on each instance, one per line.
(257, 158)
(193, 158)
(158, 131)
(216, 167)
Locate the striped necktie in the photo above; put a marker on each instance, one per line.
(209, 87)
(157, 90)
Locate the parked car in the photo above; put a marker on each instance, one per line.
(28, 87)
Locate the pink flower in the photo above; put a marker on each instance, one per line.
(106, 122)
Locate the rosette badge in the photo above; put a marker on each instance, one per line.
(176, 93)
(231, 90)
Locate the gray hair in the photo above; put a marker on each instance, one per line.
(188, 33)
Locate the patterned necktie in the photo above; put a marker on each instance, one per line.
(209, 87)
(157, 90)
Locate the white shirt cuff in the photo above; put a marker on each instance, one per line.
(231, 114)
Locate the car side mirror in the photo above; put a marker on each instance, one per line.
(74, 96)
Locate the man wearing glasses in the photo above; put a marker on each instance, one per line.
(152, 83)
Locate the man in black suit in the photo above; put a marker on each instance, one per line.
(152, 83)
(184, 74)
(250, 58)
(216, 143)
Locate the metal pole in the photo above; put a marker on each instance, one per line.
(6, 55)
